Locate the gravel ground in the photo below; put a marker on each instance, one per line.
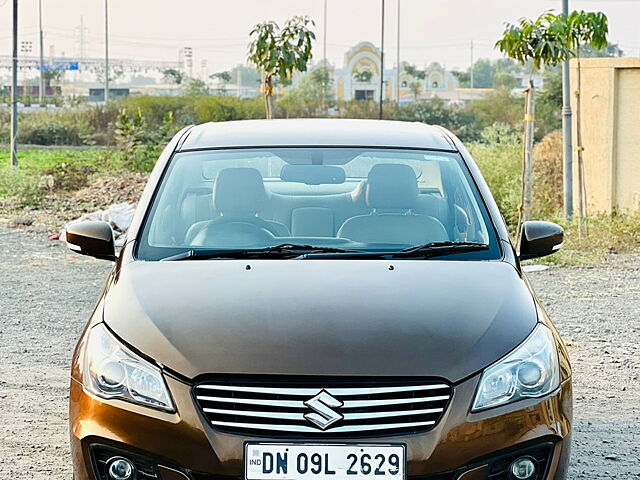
(46, 292)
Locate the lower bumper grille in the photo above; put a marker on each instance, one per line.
(330, 408)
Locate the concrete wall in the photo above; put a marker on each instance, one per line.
(610, 118)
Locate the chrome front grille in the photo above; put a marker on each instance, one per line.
(329, 408)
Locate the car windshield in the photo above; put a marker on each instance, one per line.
(320, 200)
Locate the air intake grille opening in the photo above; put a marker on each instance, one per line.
(327, 409)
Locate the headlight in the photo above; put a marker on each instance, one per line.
(113, 371)
(531, 370)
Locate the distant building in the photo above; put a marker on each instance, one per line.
(97, 94)
(359, 79)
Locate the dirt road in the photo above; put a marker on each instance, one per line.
(46, 292)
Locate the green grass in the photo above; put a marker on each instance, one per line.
(599, 236)
(47, 159)
(27, 185)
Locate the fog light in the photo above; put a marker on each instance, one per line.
(523, 468)
(119, 468)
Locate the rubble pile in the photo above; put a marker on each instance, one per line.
(112, 190)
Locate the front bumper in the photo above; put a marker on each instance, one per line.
(182, 446)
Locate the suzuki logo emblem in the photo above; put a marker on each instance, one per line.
(323, 415)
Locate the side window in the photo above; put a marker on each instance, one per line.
(466, 217)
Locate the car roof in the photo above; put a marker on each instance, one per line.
(316, 132)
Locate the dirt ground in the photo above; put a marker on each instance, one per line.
(46, 292)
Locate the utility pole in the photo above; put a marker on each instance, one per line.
(42, 92)
(324, 35)
(398, 58)
(14, 88)
(381, 62)
(471, 61)
(567, 141)
(106, 51)
(324, 56)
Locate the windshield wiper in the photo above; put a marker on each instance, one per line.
(432, 249)
(444, 248)
(284, 250)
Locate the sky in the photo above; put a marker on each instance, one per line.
(431, 30)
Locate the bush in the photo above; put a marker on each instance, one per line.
(153, 109)
(225, 108)
(360, 109)
(140, 145)
(547, 170)
(500, 106)
(21, 185)
(457, 118)
(52, 132)
(69, 176)
(500, 161)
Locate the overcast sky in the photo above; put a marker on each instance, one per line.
(431, 30)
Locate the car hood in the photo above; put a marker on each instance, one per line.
(445, 319)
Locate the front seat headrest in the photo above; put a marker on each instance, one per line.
(239, 191)
(391, 186)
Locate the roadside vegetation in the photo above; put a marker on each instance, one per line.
(86, 157)
(53, 186)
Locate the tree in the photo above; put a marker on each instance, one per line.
(115, 73)
(551, 92)
(246, 76)
(547, 41)
(222, 77)
(52, 75)
(542, 43)
(310, 97)
(504, 80)
(196, 88)
(280, 52)
(363, 76)
(484, 73)
(611, 50)
(173, 76)
(414, 72)
(416, 89)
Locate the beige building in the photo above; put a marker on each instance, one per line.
(359, 79)
(610, 103)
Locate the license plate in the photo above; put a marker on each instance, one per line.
(303, 461)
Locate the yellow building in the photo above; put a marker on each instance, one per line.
(359, 79)
(610, 119)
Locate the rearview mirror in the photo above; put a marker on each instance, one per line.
(92, 238)
(538, 239)
(313, 174)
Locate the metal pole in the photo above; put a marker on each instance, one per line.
(106, 51)
(381, 62)
(14, 88)
(528, 155)
(567, 152)
(42, 92)
(398, 59)
(324, 57)
(324, 35)
(471, 67)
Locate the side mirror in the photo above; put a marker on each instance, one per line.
(92, 238)
(538, 239)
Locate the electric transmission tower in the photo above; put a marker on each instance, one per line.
(82, 36)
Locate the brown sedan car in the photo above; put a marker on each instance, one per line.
(317, 300)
